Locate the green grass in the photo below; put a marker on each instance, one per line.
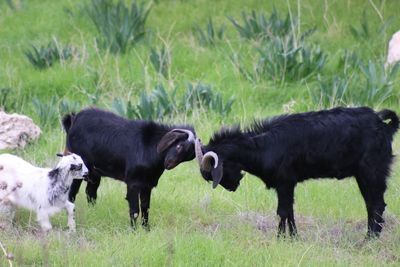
(191, 224)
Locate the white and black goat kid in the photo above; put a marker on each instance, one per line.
(42, 190)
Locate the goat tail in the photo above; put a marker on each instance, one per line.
(387, 114)
(67, 121)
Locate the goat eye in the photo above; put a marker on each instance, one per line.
(179, 147)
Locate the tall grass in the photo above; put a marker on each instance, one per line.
(118, 25)
(45, 56)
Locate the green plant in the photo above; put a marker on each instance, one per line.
(7, 101)
(331, 93)
(210, 35)
(202, 96)
(65, 106)
(42, 57)
(289, 58)
(125, 109)
(161, 60)
(47, 112)
(378, 83)
(348, 63)
(258, 26)
(118, 25)
(364, 31)
(15, 4)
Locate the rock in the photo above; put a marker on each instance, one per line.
(16, 130)
(393, 50)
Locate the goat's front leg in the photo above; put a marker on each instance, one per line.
(73, 191)
(93, 184)
(285, 210)
(145, 194)
(133, 199)
(44, 220)
(70, 207)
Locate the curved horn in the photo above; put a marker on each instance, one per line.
(206, 163)
(216, 170)
(198, 151)
(190, 134)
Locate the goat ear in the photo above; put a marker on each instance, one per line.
(167, 140)
(216, 174)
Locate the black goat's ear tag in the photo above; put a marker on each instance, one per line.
(216, 174)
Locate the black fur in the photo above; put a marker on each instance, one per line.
(125, 150)
(285, 150)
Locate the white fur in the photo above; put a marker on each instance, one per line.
(393, 50)
(34, 188)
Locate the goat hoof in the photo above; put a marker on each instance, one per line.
(146, 227)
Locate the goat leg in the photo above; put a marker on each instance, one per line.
(43, 220)
(133, 200)
(93, 184)
(70, 207)
(73, 191)
(145, 194)
(285, 209)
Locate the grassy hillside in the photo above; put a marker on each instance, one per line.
(191, 224)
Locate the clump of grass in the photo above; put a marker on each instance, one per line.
(331, 93)
(203, 96)
(161, 60)
(364, 32)
(210, 35)
(160, 104)
(119, 26)
(283, 53)
(45, 56)
(65, 106)
(359, 84)
(289, 59)
(7, 101)
(15, 4)
(47, 113)
(258, 26)
(157, 105)
(124, 108)
(378, 83)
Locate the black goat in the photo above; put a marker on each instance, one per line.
(133, 151)
(285, 150)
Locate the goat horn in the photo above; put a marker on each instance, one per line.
(190, 134)
(197, 149)
(205, 162)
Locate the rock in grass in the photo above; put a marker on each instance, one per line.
(393, 50)
(17, 130)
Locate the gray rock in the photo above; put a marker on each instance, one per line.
(17, 130)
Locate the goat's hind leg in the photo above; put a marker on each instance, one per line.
(44, 220)
(7, 212)
(373, 190)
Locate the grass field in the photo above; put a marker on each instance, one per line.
(191, 224)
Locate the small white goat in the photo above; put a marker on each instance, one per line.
(43, 190)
